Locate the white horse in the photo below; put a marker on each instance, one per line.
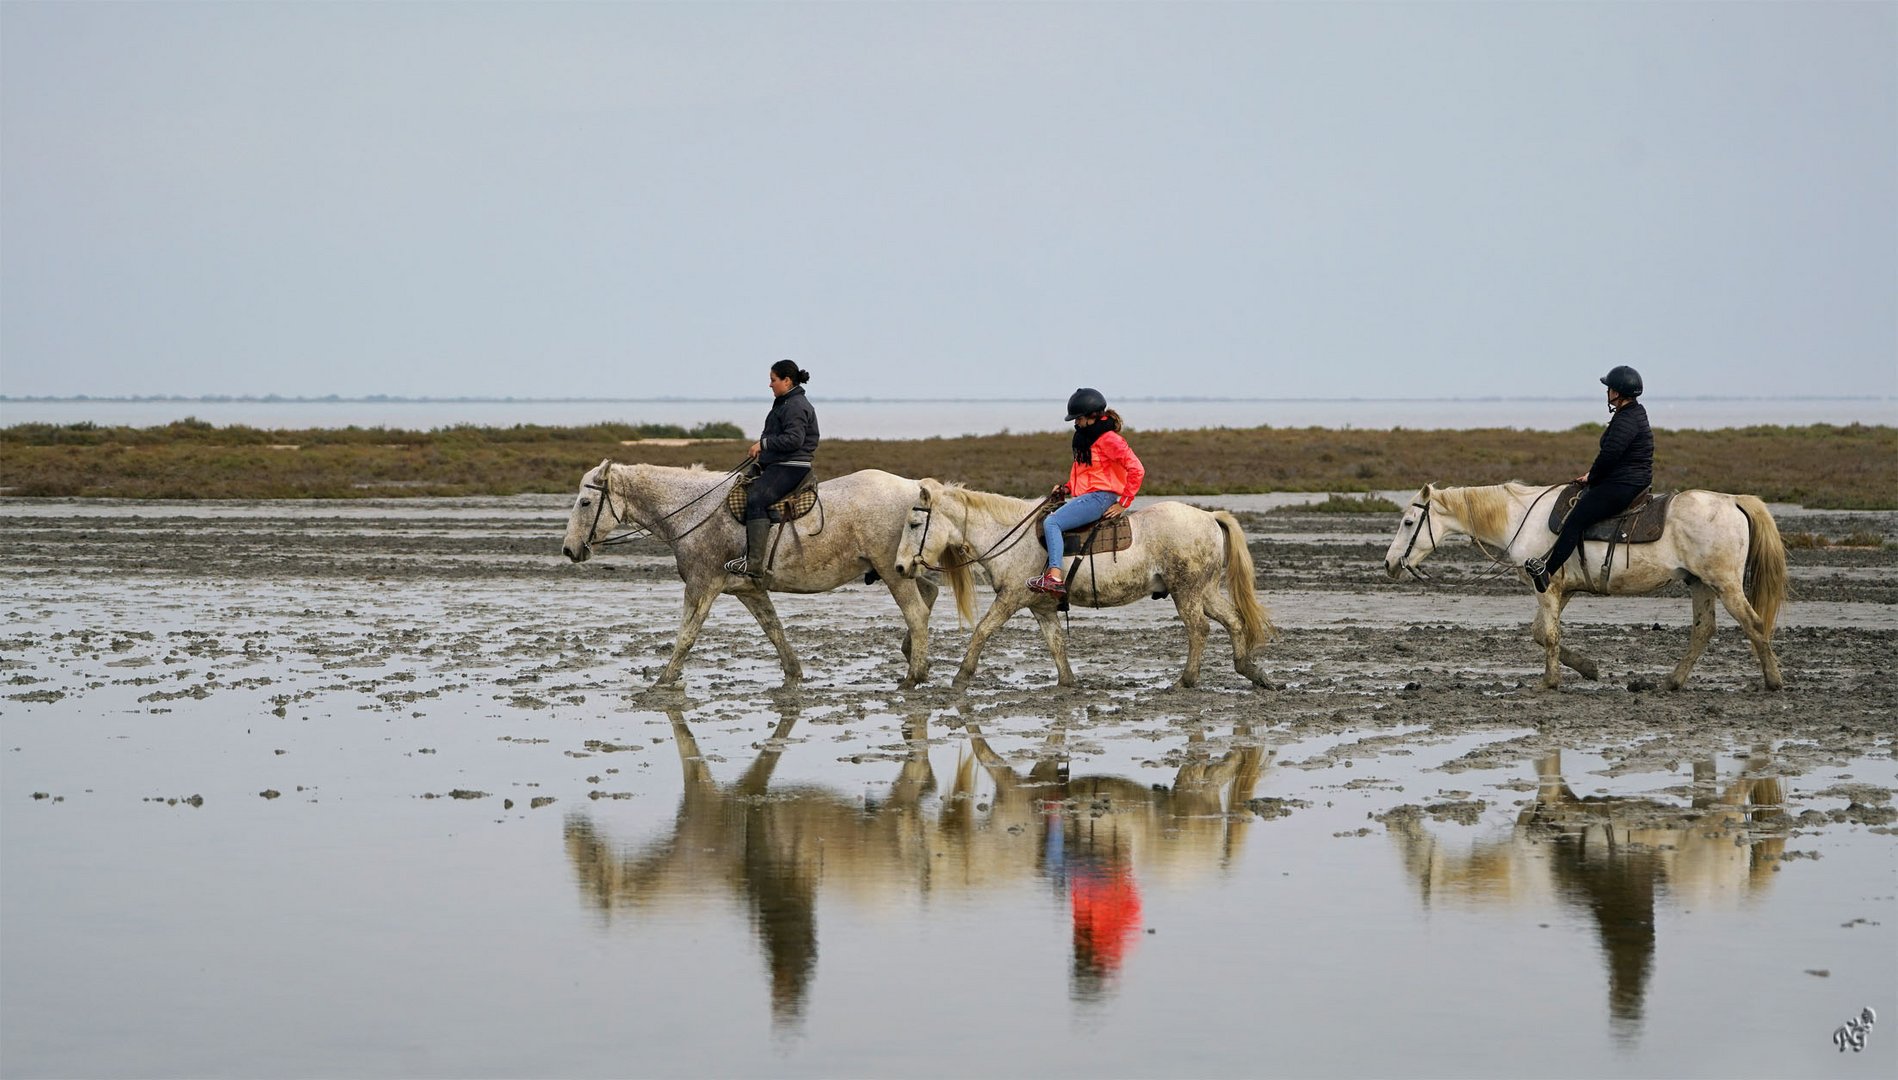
(1718, 545)
(1177, 549)
(853, 529)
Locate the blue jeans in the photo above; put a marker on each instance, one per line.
(1076, 512)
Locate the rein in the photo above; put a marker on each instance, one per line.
(1503, 567)
(1015, 535)
(606, 496)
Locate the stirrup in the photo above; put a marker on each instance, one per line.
(1538, 574)
(737, 566)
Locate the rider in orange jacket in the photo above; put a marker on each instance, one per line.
(1102, 482)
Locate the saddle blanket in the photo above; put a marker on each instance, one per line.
(1640, 523)
(790, 508)
(1108, 535)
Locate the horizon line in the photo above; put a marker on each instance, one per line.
(396, 399)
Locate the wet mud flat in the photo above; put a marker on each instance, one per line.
(294, 788)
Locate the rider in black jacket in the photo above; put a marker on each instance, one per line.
(1622, 469)
(783, 454)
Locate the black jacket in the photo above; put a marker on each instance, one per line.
(1627, 450)
(790, 430)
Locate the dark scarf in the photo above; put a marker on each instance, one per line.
(1085, 438)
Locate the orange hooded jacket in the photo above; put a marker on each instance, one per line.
(1115, 469)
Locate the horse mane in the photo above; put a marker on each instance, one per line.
(1001, 509)
(1484, 511)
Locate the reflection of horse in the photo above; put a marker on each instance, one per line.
(1718, 545)
(777, 846)
(1611, 857)
(1197, 556)
(1094, 830)
(855, 528)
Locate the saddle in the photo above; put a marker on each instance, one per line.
(1101, 537)
(1641, 523)
(793, 506)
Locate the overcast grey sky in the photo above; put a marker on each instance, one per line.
(1279, 200)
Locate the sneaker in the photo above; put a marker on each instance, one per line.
(1538, 574)
(1048, 583)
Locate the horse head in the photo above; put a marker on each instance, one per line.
(593, 516)
(1416, 538)
(924, 537)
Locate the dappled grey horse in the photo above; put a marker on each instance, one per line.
(1718, 545)
(854, 529)
(1198, 557)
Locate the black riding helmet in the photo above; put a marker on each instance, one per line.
(1623, 380)
(1088, 401)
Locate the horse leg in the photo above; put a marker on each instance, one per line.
(1547, 630)
(1584, 666)
(1226, 615)
(758, 602)
(1057, 642)
(698, 604)
(1192, 611)
(992, 619)
(916, 638)
(1734, 597)
(1698, 638)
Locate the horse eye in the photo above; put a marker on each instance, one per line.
(586, 502)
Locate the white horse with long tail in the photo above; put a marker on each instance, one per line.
(1198, 557)
(1719, 545)
(853, 529)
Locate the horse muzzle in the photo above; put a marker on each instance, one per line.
(579, 556)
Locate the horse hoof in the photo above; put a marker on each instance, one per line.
(1592, 673)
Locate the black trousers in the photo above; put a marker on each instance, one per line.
(1598, 503)
(772, 485)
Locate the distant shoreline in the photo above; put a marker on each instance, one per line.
(1182, 399)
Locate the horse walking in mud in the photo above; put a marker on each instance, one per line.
(1177, 550)
(852, 530)
(1719, 545)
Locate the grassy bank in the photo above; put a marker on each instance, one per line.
(1851, 467)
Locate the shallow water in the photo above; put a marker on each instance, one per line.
(1343, 878)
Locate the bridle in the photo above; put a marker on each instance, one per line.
(652, 529)
(1504, 567)
(1015, 535)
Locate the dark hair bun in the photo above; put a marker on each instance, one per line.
(787, 369)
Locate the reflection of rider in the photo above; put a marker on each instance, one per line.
(1103, 898)
(783, 453)
(1101, 483)
(1622, 469)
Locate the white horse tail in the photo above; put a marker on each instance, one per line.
(1242, 587)
(1765, 562)
(961, 582)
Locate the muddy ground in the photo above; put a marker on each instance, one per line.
(196, 597)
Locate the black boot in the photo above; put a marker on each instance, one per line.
(757, 537)
(1538, 574)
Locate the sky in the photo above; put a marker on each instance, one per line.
(945, 199)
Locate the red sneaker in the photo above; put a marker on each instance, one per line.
(1048, 583)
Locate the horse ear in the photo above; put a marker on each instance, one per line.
(925, 489)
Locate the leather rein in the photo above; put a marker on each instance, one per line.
(1504, 567)
(606, 496)
(1015, 535)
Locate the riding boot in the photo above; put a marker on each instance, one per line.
(1538, 571)
(757, 538)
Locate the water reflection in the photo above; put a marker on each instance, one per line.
(1611, 857)
(1091, 839)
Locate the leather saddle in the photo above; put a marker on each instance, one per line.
(1101, 537)
(1641, 523)
(793, 506)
